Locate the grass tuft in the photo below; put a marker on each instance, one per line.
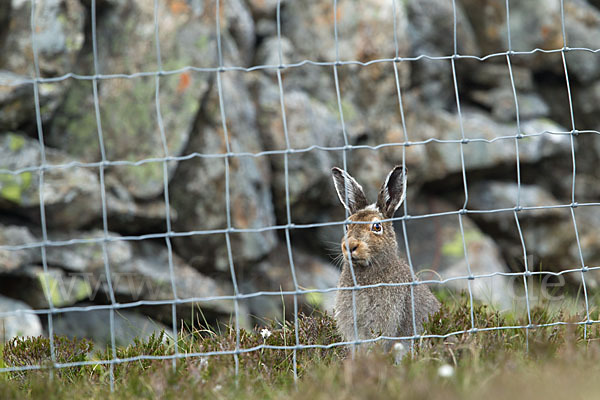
(492, 363)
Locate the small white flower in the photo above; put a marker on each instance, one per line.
(398, 347)
(265, 333)
(203, 362)
(446, 371)
(218, 387)
(399, 352)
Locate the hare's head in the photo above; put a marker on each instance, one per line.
(371, 240)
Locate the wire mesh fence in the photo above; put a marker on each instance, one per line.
(229, 155)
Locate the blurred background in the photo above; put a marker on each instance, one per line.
(369, 105)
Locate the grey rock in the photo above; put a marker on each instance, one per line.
(69, 193)
(434, 162)
(95, 325)
(586, 108)
(13, 235)
(130, 124)
(88, 257)
(265, 8)
(18, 324)
(439, 161)
(71, 268)
(126, 215)
(489, 195)
(364, 33)
(59, 37)
(587, 189)
(240, 24)
(549, 234)
(266, 27)
(554, 244)
(431, 32)
(199, 190)
(497, 75)
(437, 253)
(534, 24)
(431, 26)
(538, 25)
(72, 195)
(17, 104)
(502, 103)
(5, 12)
(268, 52)
(368, 114)
(309, 123)
(582, 23)
(76, 272)
(101, 5)
(35, 287)
(147, 277)
(587, 98)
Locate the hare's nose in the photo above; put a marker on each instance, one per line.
(351, 244)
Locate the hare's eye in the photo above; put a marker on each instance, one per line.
(376, 227)
(346, 227)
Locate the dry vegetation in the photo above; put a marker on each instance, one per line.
(551, 362)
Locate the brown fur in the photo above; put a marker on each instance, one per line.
(384, 310)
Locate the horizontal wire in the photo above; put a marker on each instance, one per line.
(108, 163)
(100, 240)
(242, 296)
(70, 75)
(290, 347)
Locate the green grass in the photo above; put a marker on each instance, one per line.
(551, 362)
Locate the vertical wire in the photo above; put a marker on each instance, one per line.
(574, 132)
(40, 131)
(103, 197)
(287, 191)
(335, 31)
(562, 25)
(527, 273)
(345, 168)
(163, 138)
(395, 25)
(462, 161)
(405, 205)
(508, 27)
(227, 194)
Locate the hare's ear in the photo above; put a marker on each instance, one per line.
(392, 192)
(349, 191)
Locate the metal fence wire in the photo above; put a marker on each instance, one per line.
(226, 158)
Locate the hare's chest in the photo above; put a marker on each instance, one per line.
(378, 312)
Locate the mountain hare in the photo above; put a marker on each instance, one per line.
(383, 310)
